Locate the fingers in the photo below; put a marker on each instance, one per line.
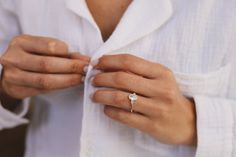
(40, 45)
(46, 64)
(37, 64)
(126, 62)
(124, 81)
(119, 99)
(41, 81)
(131, 119)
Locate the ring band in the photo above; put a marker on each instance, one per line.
(133, 98)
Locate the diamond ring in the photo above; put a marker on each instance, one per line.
(133, 98)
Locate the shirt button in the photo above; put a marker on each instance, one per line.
(87, 149)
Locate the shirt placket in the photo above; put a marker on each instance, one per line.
(119, 38)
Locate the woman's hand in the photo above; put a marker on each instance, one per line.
(160, 111)
(35, 65)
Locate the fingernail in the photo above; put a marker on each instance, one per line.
(94, 62)
(86, 58)
(92, 80)
(82, 79)
(85, 69)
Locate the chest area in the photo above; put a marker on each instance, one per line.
(192, 41)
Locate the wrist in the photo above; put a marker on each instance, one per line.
(7, 101)
(192, 140)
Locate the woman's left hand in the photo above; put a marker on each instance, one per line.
(161, 110)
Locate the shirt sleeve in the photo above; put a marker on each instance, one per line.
(9, 27)
(216, 121)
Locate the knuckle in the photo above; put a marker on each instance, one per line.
(56, 46)
(51, 46)
(43, 82)
(43, 65)
(75, 67)
(170, 95)
(17, 39)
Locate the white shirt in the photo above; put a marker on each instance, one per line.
(196, 39)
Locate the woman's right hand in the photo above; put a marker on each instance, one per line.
(36, 65)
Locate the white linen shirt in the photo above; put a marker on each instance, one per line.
(194, 38)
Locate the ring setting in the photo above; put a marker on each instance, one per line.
(133, 98)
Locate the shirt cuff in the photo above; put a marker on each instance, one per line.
(214, 127)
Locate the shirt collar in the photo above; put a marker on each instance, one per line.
(141, 18)
(80, 8)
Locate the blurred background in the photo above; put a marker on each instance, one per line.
(12, 142)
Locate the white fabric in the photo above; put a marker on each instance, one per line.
(196, 39)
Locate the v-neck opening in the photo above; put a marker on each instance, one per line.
(97, 27)
(139, 19)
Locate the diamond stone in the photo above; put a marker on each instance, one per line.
(133, 97)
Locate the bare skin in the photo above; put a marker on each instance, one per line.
(107, 14)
